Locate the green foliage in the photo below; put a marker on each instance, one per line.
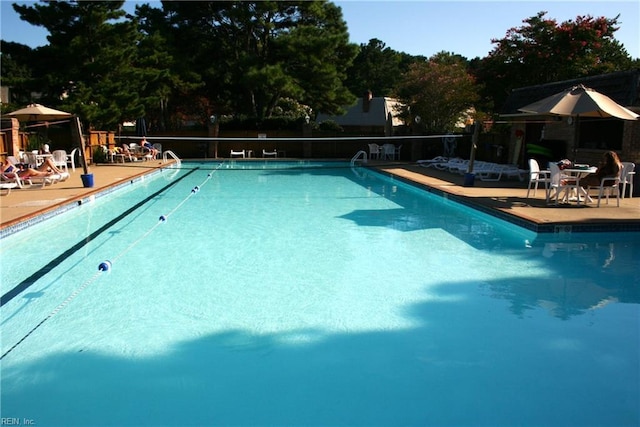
(543, 51)
(376, 68)
(266, 50)
(91, 55)
(330, 125)
(99, 155)
(35, 142)
(184, 61)
(252, 123)
(440, 91)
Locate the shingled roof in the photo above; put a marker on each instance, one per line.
(623, 87)
(375, 115)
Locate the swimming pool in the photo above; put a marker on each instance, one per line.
(313, 294)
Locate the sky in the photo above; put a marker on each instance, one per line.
(422, 27)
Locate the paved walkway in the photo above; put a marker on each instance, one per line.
(506, 199)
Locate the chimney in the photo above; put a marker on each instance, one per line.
(366, 101)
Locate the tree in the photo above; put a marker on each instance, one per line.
(541, 51)
(265, 51)
(440, 91)
(89, 59)
(169, 88)
(16, 69)
(375, 68)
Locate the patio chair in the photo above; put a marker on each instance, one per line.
(607, 185)
(239, 153)
(127, 153)
(626, 177)
(374, 151)
(560, 183)
(398, 149)
(389, 152)
(537, 176)
(60, 159)
(29, 158)
(273, 153)
(71, 159)
(158, 148)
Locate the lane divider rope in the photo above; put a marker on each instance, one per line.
(105, 266)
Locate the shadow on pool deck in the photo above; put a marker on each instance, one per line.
(505, 199)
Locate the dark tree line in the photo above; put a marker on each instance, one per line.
(260, 59)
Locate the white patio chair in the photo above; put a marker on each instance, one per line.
(537, 176)
(374, 151)
(389, 152)
(30, 159)
(560, 183)
(126, 153)
(71, 159)
(607, 185)
(626, 177)
(398, 148)
(60, 159)
(158, 148)
(239, 153)
(273, 153)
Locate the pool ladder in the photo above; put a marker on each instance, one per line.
(169, 153)
(359, 154)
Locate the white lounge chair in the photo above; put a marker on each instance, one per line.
(266, 153)
(9, 183)
(495, 172)
(239, 153)
(436, 161)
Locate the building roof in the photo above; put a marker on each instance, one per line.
(356, 115)
(623, 87)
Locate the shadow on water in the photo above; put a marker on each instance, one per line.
(530, 351)
(460, 364)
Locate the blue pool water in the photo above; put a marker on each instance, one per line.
(313, 294)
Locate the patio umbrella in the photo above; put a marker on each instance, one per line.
(141, 127)
(37, 112)
(580, 101)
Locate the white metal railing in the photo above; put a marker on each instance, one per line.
(169, 153)
(359, 154)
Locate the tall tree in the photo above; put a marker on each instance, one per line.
(17, 70)
(376, 68)
(543, 51)
(440, 91)
(90, 58)
(170, 89)
(252, 54)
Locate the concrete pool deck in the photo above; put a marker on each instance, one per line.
(505, 199)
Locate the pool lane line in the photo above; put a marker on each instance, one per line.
(162, 219)
(55, 311)
(26, 283)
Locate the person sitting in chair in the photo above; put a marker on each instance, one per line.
(146, 145)
(610, 167)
